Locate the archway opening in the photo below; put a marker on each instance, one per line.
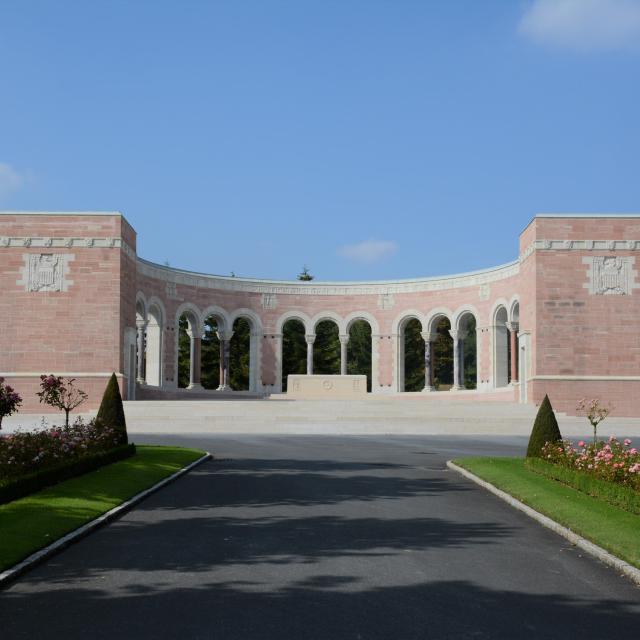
(501, 348)
(326, 349)
(210, 359)
(153, 350)
(413, 345)
(514, 351)
(468, 351)
(240, 355)
(442, 355)
(359, 350)
(294, 350)
(187, 327)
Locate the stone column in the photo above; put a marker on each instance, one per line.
(458, 365)
(344, 341)
(141, 327)
(225, 348)
(513, 337)
(195, 344)
(429, 339)
(310, 338)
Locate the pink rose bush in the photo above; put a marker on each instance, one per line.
(613, 461)
(9, 400)
(27, 452)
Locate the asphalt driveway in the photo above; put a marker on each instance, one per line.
(331, 537)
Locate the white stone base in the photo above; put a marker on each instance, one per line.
(318, 386)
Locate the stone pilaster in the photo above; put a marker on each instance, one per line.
(310, 338)
(513, 338)
(140, 331)
(458, 358)
(195, 351)
(225, 349)
(344, 341)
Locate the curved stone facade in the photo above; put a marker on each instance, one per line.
(79, 301)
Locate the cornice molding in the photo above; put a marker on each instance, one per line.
(579, 245)
(271, 287)
(44, 242)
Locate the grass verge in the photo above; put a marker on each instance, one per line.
(30, 523)
(611, 528)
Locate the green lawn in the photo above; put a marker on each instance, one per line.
(613, 529)
(31, 523)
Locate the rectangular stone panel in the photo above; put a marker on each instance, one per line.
(319, 386)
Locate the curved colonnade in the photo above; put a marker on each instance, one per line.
(449, 333)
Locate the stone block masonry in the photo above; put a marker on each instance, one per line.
(561, 319)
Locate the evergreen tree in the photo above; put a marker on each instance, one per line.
(111, 411)
(545, 429)
(210, 355)
(294, 350)
(413, 356)
(359, 350)
(239, 355)
(326, 349)
(304, 275)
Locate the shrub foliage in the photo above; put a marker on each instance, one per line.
(545, 429)
(111, 412)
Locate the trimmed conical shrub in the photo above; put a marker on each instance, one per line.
(111, 412)
(545, 429)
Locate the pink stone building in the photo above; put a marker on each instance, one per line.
(561, 319)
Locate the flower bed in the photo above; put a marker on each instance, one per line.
(24, 453)
(612, 461)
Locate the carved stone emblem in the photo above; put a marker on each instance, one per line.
(610, 275)
(269, 301)
(385, 301)
(45, 272)
(484, 291)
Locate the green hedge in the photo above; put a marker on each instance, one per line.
(24, 485)
(615, 494)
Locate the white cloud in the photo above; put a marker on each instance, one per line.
(10, 180)
(583, 24)
(369, 251)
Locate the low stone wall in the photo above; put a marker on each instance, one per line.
(319, 386)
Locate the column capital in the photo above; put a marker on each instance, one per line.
(429, 337)
(457, 334)
(224, 336)
(194, 334)
(310, 338)
(141, 324)
(512, 326)
(344, 338)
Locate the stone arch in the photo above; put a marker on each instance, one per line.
(465, 323)
(188, 336)
(253, 347)
(221, 316)
(293, 327)
(404, 317)
(141, 305)
(500, 350)
(324, 316)
(301, 316)
(327, 348)
(156, 318)
(408, 329)
(354, 316)
(514, 309)
(434, 316)
(460, 313)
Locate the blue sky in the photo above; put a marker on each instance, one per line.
(366, 139)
